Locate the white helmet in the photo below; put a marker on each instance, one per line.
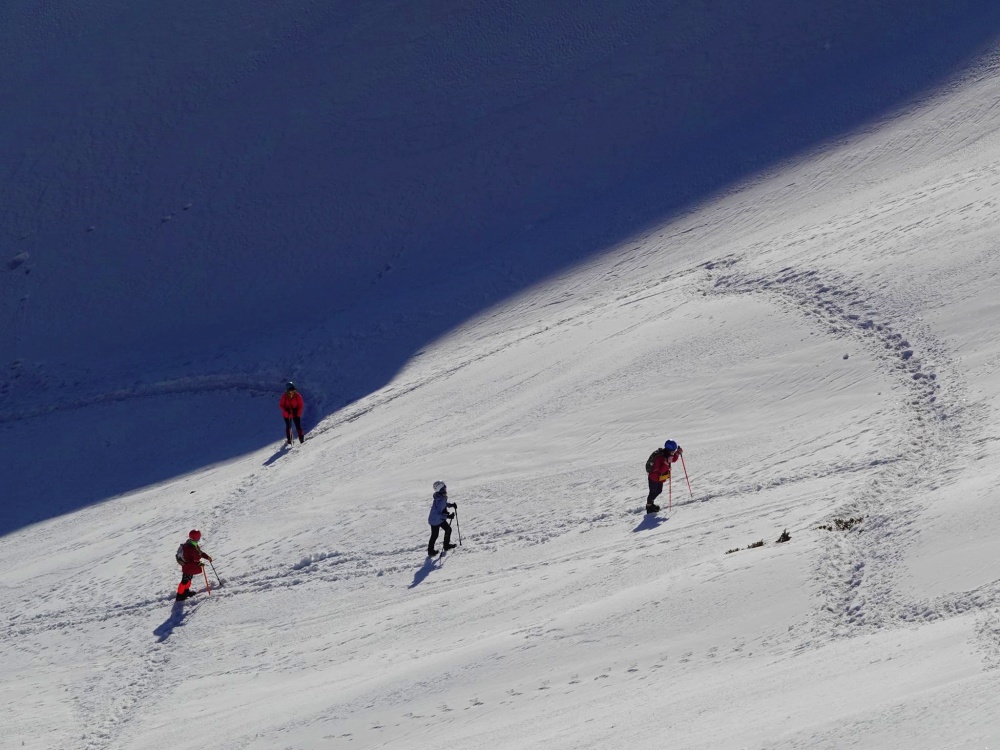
(439, 486)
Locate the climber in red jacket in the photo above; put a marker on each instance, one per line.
(291, 409)
(658, 466)
(189, 557)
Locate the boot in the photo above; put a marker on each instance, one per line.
(431, 552)
(652, 508)
(449, 545)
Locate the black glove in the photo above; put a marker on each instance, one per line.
(450, 516)
(452, 505)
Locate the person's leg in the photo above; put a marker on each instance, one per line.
(298, 429)
(655, 488)
(288, 429)
(447, 534)
(184, 586)
(434, 537)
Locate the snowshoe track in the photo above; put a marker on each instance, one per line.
(858, 567)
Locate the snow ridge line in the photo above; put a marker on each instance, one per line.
(385, 396)
(857, 570)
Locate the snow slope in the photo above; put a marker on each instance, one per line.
(824, 340)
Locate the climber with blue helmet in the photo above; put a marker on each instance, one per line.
(658, 471)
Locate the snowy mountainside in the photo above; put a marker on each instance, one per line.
(821, 337)
(824, 354)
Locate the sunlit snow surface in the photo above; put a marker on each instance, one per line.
(822, 339)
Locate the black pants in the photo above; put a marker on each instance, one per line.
(434, 535)
(298, 428)
(655, 488)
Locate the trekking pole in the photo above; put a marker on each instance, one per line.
(205, 573)
(458, 528)
(216, 574)
(686, 476)
(670, 492)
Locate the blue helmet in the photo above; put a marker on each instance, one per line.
(670, 445)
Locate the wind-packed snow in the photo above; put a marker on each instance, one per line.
(494, 246)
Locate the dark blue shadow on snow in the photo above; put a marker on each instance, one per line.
(176, 619)
(72, 458)
(283, 450)
(401, 183)
(431, 563)
(651, 521)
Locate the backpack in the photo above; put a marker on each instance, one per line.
(180, 554)
(651, 461)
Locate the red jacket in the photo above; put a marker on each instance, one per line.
(192, 558)
(291, 404)
(661, 466)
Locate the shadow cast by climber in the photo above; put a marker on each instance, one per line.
(431, 563)
(176, 619)
(650, 521)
